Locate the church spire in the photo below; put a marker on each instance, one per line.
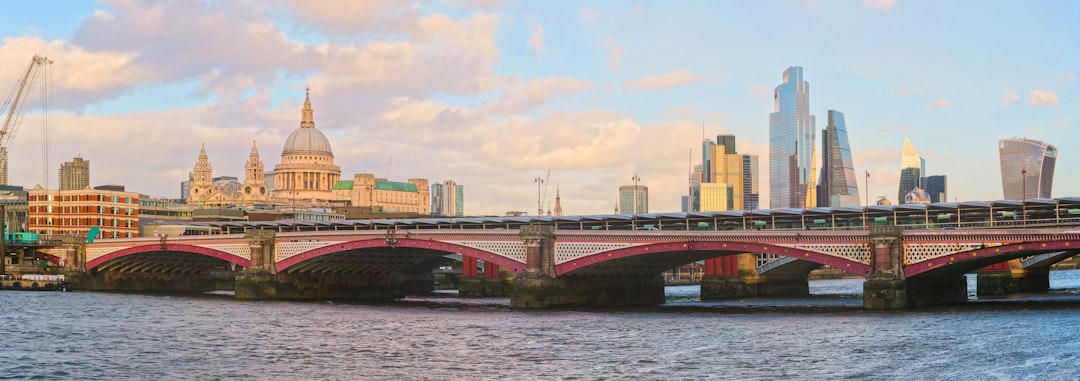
(558, 202)
(307, 115)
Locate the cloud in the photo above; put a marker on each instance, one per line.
(589, 13)
(880, 4)
(671, 79)
(78, 76)
(1069, 77)
(353, 17)
(1042, 98)
(905, 91)
(536, 39)
(1008, 98)
(761, 92)
(940, 103)
(615, 53)
(519, 97)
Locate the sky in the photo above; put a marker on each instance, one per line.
(494, 94)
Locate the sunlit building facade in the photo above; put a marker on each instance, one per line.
(633, 199)
(791, 143)
(838, 185)
(1027, 168)
(912, 170)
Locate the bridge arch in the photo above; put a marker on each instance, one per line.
(215, 253)
(722, 248)
(411, 243)
(971, 260)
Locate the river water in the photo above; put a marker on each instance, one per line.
(111, 336)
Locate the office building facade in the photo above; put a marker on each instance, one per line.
(1027, 168)
(633, 199)
(791, 143)
(75, 174)
(837, 185)
(912, 170)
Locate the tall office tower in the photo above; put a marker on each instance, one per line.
(937, 187)
(751, 181)
(912, 169)
(447, 199)
(791, 142)
(437, 201)
(838, 186)
(634, 199)
(694, 203)
(721, 188)
(1027, 168)
(75, 174)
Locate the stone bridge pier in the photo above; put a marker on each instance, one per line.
(263, 281)
(539, 286)
(887, 287)
(1011, 277)
(736, 276)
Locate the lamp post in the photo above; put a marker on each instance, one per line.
(866, 207)
(636, 179)
(1023, 203)
(539, 206)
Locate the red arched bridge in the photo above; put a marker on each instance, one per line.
(575, 267)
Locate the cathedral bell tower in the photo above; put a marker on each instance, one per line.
(202, 181)
(254, 188)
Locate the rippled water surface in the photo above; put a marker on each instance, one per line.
(85, 335)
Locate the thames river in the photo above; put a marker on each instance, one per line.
(109, 336)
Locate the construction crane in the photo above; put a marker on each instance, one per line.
(547, 181)
(15, 106)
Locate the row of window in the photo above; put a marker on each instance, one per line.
(83, 197)
(113, 222)
(84, 210)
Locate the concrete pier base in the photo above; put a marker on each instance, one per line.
(264, 285)
(731, 287)
(885, 291)
(485, 286)
(995, 283)
(533, 290)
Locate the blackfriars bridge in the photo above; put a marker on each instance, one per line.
(542, 265)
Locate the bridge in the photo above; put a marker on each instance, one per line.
(541, 265)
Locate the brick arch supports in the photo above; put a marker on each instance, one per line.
(978, 258)
(447, 247)
(223, 255)
(722, 249)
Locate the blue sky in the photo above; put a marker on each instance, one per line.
(492, 93)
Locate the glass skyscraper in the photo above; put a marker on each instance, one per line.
(912, 170)
(838, 184)
(1036, 158)
(791, 143)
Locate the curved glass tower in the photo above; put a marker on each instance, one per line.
(1036, 158)
(837, 183)
(791, 143)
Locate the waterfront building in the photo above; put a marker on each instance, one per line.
(912, 170)
(937, 187)
(110, 209)
(75, 174)
(14, 200)
(1027, 168)
(384, 196)
(634, 199)
(791, 143)
(837, 185)
(447, 199)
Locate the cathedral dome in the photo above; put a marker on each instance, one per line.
(307, 140)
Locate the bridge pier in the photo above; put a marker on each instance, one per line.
(1011, 277)
(539, 287)
(735, 276)
(887, 288)
(490, 283)
(153, 282)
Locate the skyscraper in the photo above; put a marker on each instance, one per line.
(937, 187)
(75, 174)
(447, 199)
(837, 183)
(1027, 168)
(751, 181)
(633, 199)
(791, 142)
(912, 169)
(731, 178)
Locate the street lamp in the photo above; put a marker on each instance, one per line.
(636, 179)
(539, 207)
(866, 207)
(1023, 203)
